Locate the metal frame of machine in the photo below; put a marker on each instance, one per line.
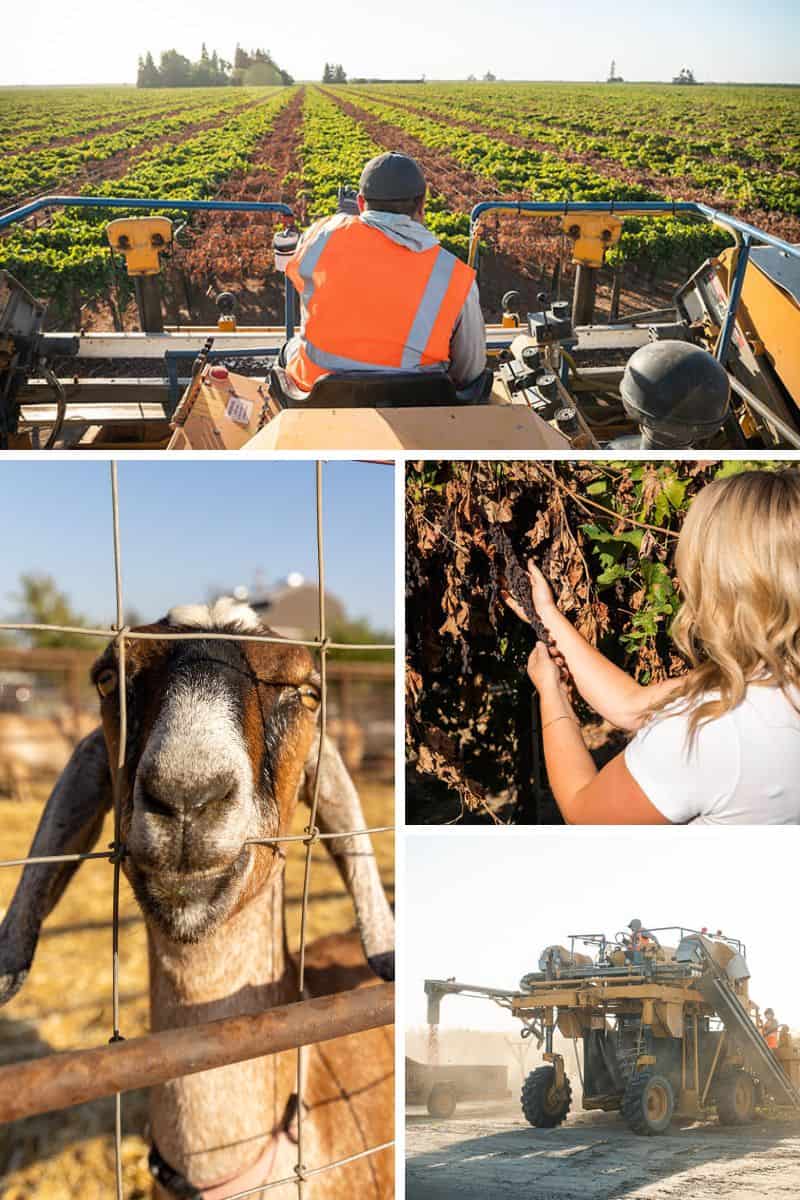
(664, 1032)
(709, 346)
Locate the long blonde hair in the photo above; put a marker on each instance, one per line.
(738, 566)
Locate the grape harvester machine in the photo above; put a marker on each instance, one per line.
(660, 1030)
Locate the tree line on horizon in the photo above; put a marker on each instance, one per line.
(334, 73)
(253, 68)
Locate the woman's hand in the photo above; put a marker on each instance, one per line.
(544, 671)
(541, 595)
(541, 592)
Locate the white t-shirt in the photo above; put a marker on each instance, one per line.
(743, 768)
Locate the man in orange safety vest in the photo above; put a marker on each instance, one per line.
(770, 1029)
(378, 292)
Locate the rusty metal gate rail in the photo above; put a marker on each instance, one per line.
(121, 634)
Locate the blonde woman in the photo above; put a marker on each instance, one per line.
(720, 745)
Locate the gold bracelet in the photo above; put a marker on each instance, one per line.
(565, 717)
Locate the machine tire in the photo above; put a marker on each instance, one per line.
(541, 1105)
(442, 1101)
(648, 1104)
(735, 1098)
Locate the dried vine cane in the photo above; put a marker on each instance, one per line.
(518, 582)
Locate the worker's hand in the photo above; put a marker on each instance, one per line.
(543, 670)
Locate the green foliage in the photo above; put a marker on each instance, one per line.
(578, 145)
(256, 68)
(42, 603)
(358, 631)
(334, 73)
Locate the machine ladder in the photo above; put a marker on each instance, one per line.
(758, 1057)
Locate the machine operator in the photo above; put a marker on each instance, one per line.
(640, 939)
(378, 292)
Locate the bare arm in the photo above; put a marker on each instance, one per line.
(609, 691)
(584, 795)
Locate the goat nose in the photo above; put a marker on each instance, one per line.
(167, 798)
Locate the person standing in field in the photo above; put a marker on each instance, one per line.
(378, 292)
(721, 745)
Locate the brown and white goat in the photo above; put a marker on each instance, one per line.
(222, 742)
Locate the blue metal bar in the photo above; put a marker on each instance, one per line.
(726, 333)
(264, 206)
(558, 208)
(19, 214)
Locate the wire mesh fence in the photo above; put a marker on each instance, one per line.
(122, 635)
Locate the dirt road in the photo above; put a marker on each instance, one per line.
(488, 1152)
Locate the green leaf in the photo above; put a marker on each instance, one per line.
(675, 491)
(610, 575)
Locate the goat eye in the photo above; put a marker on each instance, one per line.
(309, 696)
(106, 681)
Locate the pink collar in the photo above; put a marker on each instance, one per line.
(170, 1182)
(251, 1177)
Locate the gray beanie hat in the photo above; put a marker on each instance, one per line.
(392, 176)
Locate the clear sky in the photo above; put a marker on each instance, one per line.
(190, 527)
(482, 906)
(47, 41)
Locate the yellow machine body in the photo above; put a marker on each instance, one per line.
(671, 1010)
(788, 1055)
(140, 240)
(769, 316)
(593, 234)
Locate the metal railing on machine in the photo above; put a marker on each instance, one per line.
(84, 1075)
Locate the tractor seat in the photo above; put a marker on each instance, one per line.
(380, 389)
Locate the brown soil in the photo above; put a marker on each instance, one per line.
(233, 251)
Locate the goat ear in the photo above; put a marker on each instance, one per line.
(70, 824)
(339, 810)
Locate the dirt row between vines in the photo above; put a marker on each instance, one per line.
(226, 251)
(233, 251)
(680, 186)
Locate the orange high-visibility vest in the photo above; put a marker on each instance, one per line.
(372, 304)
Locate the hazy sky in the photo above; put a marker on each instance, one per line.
(482, 906)
(190, 526)
(46, 41)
